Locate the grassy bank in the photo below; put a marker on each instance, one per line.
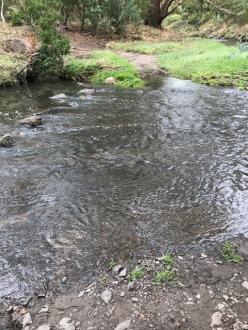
(10, 65)
(201, 60)
(100, 66)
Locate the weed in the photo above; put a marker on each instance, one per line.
(164, 276)
(110, 265)
(167, 260)
(136, 274)
(229, 253)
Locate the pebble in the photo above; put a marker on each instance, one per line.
(122, 294)
(106, 296)
(66, 324)
(44, 327)
(80, 295)
(64, 280)
(131, 286)
(245, 285)
(117, 269)
(123, 325)
(43, 310)
(27, 320)
(203, 255)
(110, 81)
(135, 299)
(216, 319)
(123, 273)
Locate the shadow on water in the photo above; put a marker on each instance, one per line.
(124, 173)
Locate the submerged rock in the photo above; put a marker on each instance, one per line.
(87, 91)
(58, 97)
(6, 141)
(32, 121)
(110, 81)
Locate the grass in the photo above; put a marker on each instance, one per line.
(229, 253)
(101, 65)
(136, 274)
(167, 260)
(10, 65)
(164, 276)
(200, 60)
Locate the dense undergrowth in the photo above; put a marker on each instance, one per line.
(201, 60)
(102, 65)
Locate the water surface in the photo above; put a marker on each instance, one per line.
(124, 173)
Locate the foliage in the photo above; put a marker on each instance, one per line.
(229, 253)
(101, 65)
(136, 274)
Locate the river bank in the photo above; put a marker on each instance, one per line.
(129, 64)
(205, 292)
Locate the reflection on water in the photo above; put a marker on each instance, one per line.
(122, 173)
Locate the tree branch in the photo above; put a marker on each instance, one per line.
(224, 10)
(2, 8)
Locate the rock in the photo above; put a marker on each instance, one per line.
(43, 310)
(216, 320)
(123, 273)
(15, 46)
(123, 325)
(81, 294)
(27, 320)
(58, 97)
(131, 286)
(122, 294)
(110, 81)
(87, 91)
(117, 269)
(245, 285)
(32, 121)
(44, 327)
(135, 300)
(6, 141)
(66, 324)
(106, 296)
(64, 280)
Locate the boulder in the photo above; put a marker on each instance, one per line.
(15, 46)
(6, 141)
(32, 121)
(110, 81)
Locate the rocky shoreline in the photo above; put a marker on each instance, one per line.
(206, 292)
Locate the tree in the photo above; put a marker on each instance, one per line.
(2, 9)
(159, 10)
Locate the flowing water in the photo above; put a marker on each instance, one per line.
(124, 173)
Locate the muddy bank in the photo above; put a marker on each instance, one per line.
(206, 292)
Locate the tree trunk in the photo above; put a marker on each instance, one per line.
(2, 8)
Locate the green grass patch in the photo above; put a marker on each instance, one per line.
(167, 260)
(10, 66)
(229, 253)
(200, 60)
(101, 65)
(136, 274)
(164, 276)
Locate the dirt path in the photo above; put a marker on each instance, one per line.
(146, 65)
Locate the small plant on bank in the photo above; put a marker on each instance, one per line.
(167, 260)
(164, 276)
(110, 265)
(229, 253)
(136, 274)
